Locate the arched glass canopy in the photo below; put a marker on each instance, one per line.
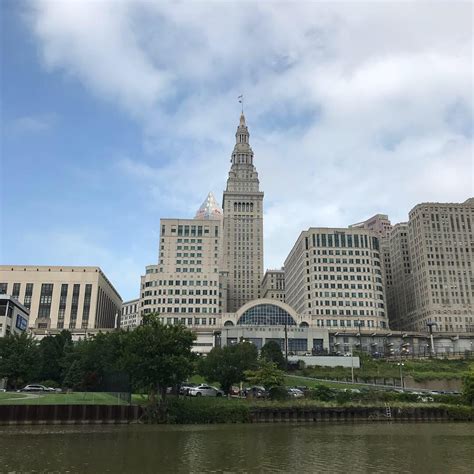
(266, 315)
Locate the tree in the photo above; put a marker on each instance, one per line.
(468, 387)
(268, 375)
(226, 365)
(87, 362)
(271, 352)
(18, 359)
(158, 356)
(51, 358)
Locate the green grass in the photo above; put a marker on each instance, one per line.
(294, 380)
(420, 370)
(75, 398)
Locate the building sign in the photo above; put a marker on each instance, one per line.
(21, 322)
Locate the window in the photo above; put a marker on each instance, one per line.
(45, 300)
(62, 302)
(16, 290)
(266, 314)
(28, 295)
(87, 304)
(74, 305)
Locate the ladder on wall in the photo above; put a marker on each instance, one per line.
(388, 411)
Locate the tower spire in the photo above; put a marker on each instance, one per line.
(242, 153)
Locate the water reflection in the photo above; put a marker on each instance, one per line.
(252, 448)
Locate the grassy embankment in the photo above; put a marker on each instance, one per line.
(75, 398)
(372, 369)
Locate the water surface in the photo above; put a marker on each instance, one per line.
(376, 447)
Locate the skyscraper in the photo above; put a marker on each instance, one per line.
(335, 277)
(183, 288)
(434, 283)
(243, 225)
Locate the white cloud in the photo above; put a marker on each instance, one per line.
(354, 108)
(32, 124)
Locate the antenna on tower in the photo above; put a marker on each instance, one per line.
(241, 101)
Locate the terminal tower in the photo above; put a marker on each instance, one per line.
(243, 225)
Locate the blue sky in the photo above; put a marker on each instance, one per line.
(115, 114)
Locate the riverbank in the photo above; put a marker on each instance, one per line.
(212, 411)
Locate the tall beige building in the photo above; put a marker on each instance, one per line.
(243, 225)
(273, 285)
(63, 297)
(184, 286)
(380, 223)
(335, 275)
(440, 256)
(400, 294)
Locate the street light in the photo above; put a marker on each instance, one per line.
(430, 325)
(402, 383)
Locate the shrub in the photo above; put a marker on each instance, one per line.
(278, 393)
(207, 410)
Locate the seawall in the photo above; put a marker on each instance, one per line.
(122, 414)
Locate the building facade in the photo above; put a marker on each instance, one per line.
(440, 256)
(335, 276)
(130, 316)
(273, 285)
(63, 297)
(400, 294)
(184, 286)
(381, 225)
(13, 316)
(242, 204)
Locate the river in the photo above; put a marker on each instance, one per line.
(376, 447)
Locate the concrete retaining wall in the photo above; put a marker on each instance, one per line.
(122, 414)
(327, 361)
(68, 414)
(345, 414)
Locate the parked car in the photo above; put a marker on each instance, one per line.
(184, 389)
(205, 391)
(256, 392)
(235, 391)
(36, 388)
(295, 393)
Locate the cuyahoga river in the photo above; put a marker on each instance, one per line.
(376, 447)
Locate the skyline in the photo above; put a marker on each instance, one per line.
(117, 117)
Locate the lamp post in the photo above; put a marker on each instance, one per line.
(430, 325)
(352, 365)
(358, 323)
(402, 384)
(286, 345)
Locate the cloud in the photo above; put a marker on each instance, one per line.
(354, 108)
(32, 124)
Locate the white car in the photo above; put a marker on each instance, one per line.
(36, 388)
(205, 391)
(295, 393)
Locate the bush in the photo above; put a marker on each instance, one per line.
(278, 393)
(207, 410)
(321, 392)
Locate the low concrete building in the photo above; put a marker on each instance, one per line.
(63, 297)
(273, 285)
(130, 316)
(13, 316)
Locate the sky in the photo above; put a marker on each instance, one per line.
(116, 114)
